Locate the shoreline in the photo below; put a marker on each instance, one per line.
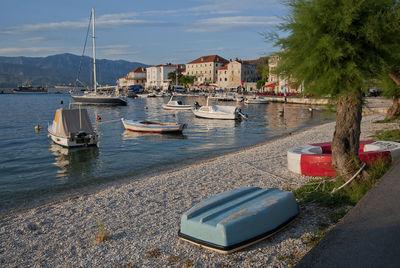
(59, 198)
(143, 215)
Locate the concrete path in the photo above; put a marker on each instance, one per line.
(369, 235)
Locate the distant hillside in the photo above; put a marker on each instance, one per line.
(60, 69)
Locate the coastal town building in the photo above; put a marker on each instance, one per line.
(134, 77)
(237, 74)
(205, 69)
(279, 84)
(157, 76)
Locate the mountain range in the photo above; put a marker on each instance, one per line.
(61, 69)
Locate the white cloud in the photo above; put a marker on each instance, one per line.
(13, 50)
(230, 23)
(33, 39)
(107, 20)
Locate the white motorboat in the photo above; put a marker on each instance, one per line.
(72, 128)
(96, 97)
(256, 100)
(147, 126)
(176, 105)
(218, 112)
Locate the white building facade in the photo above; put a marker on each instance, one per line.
(279, 83)
(157, 76)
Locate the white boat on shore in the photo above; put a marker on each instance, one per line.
(72, 128)
(147, 126)
(218, 112)
(176, 105)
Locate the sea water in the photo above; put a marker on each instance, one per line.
(35, 171)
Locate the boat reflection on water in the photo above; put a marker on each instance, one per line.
(73, 161)
(151, 136)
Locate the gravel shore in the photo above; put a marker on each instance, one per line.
(142, 217)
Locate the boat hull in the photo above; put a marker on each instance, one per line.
(177, 107)
(99, 100)
(234, 220)
(256, 101)
(215, 115)
(140, 126)
(67, 142)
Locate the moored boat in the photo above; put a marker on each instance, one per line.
(218, 112)
(231, 221)
(72, 128)
(30, 89)
(96, 97)
(176, 105)
(256, 100)
(148, 126)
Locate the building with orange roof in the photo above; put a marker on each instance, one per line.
(205, 68)
(134, 77)
(237, 74)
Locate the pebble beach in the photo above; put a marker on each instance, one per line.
(142, 217)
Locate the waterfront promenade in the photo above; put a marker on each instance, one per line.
(369, 235)
(142, 217)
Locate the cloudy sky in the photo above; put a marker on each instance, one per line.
(147, 31)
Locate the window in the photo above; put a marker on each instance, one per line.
(210, 71)
(226, 79)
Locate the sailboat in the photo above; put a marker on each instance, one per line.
(96, 97)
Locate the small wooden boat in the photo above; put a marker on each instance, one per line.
(256, 100)
(72, 128)
(234, 220)
(176, 105)
(147, 126)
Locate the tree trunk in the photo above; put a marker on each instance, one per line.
(346, 139)
(394, 110)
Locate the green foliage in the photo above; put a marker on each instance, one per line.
(319, 191)
(389, 135)
(260, 83)
(387, 86)
(315, 237)
(182, 79)
(391, 120)
(336, 46)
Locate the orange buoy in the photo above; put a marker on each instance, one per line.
(98, 117)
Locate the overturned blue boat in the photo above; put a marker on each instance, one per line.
(234, 220)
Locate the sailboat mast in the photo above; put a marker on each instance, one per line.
(94, 55)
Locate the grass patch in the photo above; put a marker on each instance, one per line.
(315, 237)
(391, 120)
(319, 191)
(153, 253)
(189, 263)
(388, 135)
(102, 234)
